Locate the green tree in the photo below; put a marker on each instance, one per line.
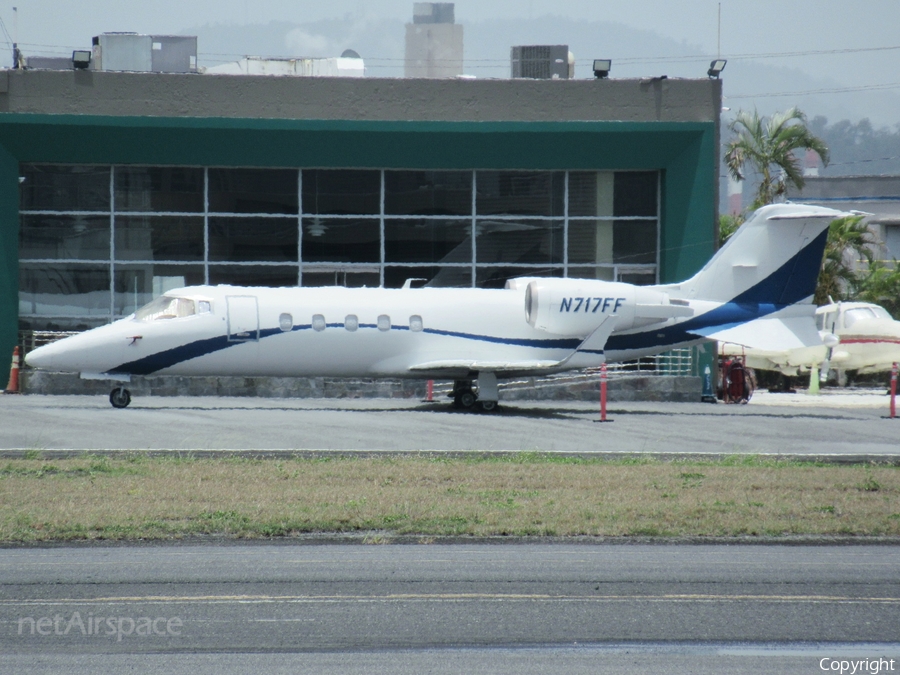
(880, 284)
(728, 225)
(849, 241)
(768, 146)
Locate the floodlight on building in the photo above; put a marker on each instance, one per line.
(81, 58)
(715, 68)
(602, 68)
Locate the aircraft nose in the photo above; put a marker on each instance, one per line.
(41, 358)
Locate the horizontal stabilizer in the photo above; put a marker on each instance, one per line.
(771, 333)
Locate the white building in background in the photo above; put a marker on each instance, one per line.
(434, 42)
(875, 195)
(349, 64)
(135, 52)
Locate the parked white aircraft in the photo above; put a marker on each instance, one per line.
(755, 291)
(855, 336)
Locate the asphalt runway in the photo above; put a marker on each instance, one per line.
(855, 427)
(520, 608)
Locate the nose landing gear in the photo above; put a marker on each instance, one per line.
(120, 397)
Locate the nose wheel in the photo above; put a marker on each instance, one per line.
(120, 397)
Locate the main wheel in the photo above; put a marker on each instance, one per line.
(487, 406)
(120, 397)
(466, 399)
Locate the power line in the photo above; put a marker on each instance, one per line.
(834, 90)
(626, 59)
(759, 55)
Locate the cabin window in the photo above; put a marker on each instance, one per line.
(165, 307)
(351, 322)
(318, 322)
(415, 323)
(384, 322)
(204, 306)
(285, 322)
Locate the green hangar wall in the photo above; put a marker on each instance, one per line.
(667, 126)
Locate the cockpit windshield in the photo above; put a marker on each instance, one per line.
(851, 316)
(166, 307)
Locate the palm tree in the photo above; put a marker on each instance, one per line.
(768, 145)
(881, 285)
(849, 240)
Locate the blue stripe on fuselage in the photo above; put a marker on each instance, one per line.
(192, 350)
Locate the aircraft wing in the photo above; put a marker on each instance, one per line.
(593, 343)
(456, 365)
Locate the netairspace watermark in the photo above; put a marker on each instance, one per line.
(858, 666)
(120, 626)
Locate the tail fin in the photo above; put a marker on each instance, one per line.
(774, 258)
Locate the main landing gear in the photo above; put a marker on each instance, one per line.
(466, 398)
(120, 397)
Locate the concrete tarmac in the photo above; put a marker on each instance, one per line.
(852, 426)
(521, 608)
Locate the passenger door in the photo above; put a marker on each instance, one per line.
(243, 318)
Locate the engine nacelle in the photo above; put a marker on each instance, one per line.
(575, 307)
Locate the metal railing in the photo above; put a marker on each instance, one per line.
(32, 339)
(674, 363)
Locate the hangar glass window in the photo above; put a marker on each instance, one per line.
(159, 188)
(613, 225)
(64, 237)
(253, 191)
(98, 242)
(248, 239)
(527, 193)
(159, 238)
(427, 240)
(341, 191)
(433, 193)
(348, 240)
(54, 187)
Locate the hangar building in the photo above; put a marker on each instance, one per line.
(116, 186)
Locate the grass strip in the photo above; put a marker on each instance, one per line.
(140, 497)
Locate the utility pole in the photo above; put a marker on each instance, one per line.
(15, 37)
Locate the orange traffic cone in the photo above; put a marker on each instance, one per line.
(13, 386)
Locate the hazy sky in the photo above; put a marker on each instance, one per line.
(850, 44)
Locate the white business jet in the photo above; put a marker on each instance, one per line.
(755, 291)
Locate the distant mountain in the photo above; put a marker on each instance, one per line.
(634, 53)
